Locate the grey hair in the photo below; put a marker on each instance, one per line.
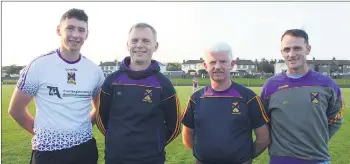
(144, 25)
(221, 47)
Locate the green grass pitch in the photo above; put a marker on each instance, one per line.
(16, 148)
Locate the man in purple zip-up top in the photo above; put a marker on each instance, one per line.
(304, 107)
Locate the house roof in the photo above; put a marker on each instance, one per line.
(325, 62)
(238, 62)
(317, 62)
(5, 68)
(112, 63)
(245, 62)
(342, 62)
(193, 61)
(109, 63)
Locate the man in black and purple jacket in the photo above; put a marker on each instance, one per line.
(139, 111)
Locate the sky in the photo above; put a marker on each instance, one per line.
(185, 29)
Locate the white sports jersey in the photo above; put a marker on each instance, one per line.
(62, 93)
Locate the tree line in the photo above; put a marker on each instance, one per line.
(13, 69)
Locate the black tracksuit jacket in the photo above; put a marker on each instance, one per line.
(139, 114)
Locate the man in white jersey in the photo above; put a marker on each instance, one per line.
(64, 85)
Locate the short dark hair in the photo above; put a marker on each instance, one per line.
(144, 25)
(297, 33)
(75, 13)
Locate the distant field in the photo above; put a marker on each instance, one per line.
(16, 147)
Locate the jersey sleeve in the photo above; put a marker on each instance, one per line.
(264, 98)
(334, 110)
(171, 107)
(100, 80)
(257, 112)
(105, 98)
(187, 115)
(29, 79)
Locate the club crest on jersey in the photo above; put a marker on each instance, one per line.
(71, 78)
(235, 108)
(148, 96)
(314, 97)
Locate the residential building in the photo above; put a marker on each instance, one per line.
(111, 66)
(322, 66)
(345, 67)
(3, 72)
(280, 66)
(193, 65)
(245, 65)
(162, 67)
(14, 71)
(241, 65)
